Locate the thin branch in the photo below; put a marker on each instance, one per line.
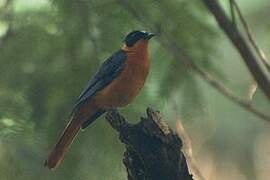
(236, 38)
(229, 94)
(187, 148)
(252, 90)
(171, 46)
(215, 83)
(187, 144)
(251, 38)
(232, 12)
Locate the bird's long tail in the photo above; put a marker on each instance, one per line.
(59, 150)
(80, 119)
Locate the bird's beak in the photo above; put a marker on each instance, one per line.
(149, 36)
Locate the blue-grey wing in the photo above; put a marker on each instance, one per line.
(108, 71)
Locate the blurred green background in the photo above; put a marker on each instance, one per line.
(50, 48)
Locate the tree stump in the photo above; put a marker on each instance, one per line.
(153, 150)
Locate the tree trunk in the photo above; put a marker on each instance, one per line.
(153, 150)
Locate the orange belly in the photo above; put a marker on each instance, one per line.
(123, 89)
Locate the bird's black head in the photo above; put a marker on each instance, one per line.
(135, 36)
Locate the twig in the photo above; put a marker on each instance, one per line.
(252, 90)
(236, 38)
(232, 12)
(216, 84)
(251, 38)
(179, 54)
(187, 148)
(187, 144)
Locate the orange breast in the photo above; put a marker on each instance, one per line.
(122, 90)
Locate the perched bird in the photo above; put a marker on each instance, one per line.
(116, 83)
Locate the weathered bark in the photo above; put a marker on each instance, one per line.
(153, 150)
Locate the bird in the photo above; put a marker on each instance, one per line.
(116, 83)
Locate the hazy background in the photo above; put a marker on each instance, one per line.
(49, 49)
